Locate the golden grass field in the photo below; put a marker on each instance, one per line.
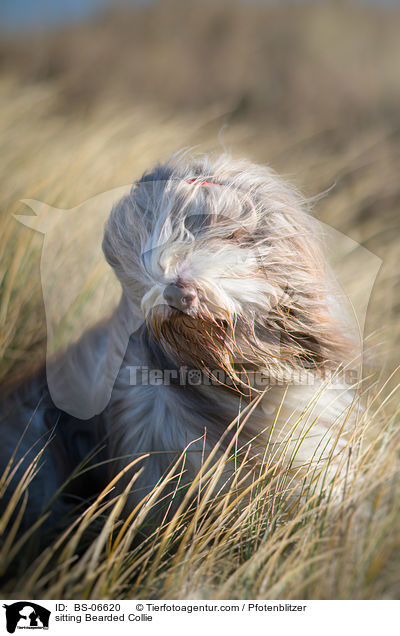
(313, 92)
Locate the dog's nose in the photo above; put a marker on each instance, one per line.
(180, 296)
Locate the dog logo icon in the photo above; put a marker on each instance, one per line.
(26, 615)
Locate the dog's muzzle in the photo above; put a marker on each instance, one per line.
(182, 296)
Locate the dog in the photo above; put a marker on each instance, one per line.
(228, 306)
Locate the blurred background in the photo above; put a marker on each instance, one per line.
(91, 94)
(94, 91)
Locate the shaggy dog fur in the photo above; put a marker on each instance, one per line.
(224, 267)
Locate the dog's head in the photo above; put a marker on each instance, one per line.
(227, 268)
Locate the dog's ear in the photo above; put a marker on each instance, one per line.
(308, 323)
(315, 338)
(307, 332)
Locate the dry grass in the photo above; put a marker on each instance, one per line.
(254, 540)
(63, 140)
